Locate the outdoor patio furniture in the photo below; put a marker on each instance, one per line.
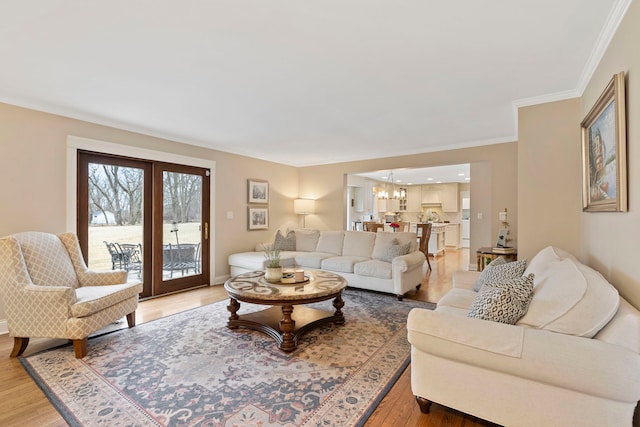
(125, 256)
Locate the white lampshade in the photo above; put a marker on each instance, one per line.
(304, 206)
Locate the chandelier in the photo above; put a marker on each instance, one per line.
(395, 194)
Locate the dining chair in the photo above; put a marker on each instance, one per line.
(372, 226)
(424, 232)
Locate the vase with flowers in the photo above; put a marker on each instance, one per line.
(273, 272)
(395, 226)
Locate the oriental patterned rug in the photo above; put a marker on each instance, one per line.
(189, 369)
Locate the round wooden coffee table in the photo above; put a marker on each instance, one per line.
(277, 321)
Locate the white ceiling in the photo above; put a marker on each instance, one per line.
(303, 82)
(431, 175)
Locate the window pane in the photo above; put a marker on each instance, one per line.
(182, 225)
(116, 218)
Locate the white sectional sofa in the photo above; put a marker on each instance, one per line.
(572, 360)
(366, 260)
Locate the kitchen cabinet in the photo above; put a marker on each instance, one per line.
(437, 239)
(367, 197)
(449, 197)
(452, 235)
(414, 198)
(431, 195)
(358, 198)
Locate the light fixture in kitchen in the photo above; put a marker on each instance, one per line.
(395, 193)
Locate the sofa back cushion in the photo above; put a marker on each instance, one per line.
(385, 239)
(540, 262)
(571, 298)
(623, 329)
(358, 243)
(306, 240)
(330, 242)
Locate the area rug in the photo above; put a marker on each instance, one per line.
(189, 369)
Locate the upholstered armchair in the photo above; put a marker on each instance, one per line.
(48, 291)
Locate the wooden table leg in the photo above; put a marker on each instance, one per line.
(338, 303)
(287, 324)
(233, 308)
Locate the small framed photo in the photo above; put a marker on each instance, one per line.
(258, 218)
(258, 191)
(604, 151)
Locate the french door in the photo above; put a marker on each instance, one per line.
(148, 218)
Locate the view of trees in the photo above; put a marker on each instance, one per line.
(116, 192)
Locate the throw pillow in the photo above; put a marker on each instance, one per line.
(501, 271)
(505, 301)
(396, 249)
(285, 243)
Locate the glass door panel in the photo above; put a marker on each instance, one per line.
(184, 220)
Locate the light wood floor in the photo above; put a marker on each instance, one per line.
(24, 404)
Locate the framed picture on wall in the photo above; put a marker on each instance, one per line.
(258, 191)
(258, 218)
(604, 151)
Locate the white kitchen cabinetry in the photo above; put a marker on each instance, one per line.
(414, 198)
(452, 235)
(437, 240)
(431, 195)
(367, 196)
(358, 196)
(450, 197)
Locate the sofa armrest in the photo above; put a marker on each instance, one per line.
(580, 364)
(407, 262)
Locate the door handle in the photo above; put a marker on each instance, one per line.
(206, 231)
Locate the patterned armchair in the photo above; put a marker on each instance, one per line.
(48, 291)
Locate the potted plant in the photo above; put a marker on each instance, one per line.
(274, 270)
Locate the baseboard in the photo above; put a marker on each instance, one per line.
(4, 328)
(219, 280)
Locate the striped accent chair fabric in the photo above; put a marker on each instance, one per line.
(48, 291)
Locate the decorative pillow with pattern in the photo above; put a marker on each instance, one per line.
(505, 301)
(285, 243)
(500, 270)
(396, 249)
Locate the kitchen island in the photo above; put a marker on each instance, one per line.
(437, 239)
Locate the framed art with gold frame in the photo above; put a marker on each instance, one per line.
(604, 151)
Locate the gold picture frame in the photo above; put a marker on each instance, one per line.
(604, 151)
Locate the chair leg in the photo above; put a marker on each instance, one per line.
(19, 346)
(131, 319)
(80, 347)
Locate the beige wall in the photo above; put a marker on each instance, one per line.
(493, 187)
(549, 177)
(33, 175)
(609, 239)
(550, 173)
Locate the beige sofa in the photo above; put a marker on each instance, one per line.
(363, 258)
(571, 360)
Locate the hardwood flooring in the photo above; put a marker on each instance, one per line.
(24, 404)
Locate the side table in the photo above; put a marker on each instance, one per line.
(486, 254)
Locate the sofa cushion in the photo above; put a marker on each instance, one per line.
(330, 242)
(503, 301)
(358, 243)
(341, 264)
(373, 268)
(306, 240)
(540, 262)
(311, 259)
(396, 249)
(457, 297)
(384, 240)
(571, 299)
(500, 272)
(283, 243)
